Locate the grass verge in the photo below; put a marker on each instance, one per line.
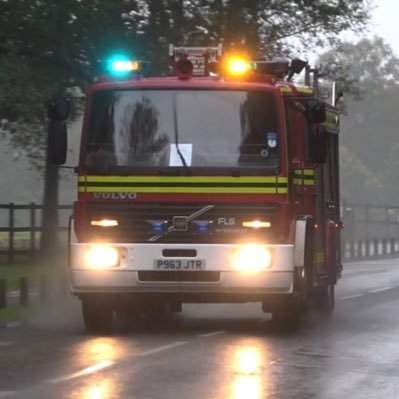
(36, 273)
(13, 273)
(16, 313)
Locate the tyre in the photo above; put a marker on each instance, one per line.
(97, 314)
(287, 317)
(324, 300)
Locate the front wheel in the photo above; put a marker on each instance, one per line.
(97, 314)
(287, 316)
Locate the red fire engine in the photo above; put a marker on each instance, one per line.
(217, 184)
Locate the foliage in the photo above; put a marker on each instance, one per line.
(391, 176)
(368, 186)
(262, 27)
(369, 71)
(48, 47)
(362, 69)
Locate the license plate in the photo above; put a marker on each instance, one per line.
(179, 264)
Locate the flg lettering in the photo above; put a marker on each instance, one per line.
(226, 221)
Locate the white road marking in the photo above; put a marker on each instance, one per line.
(162, 348)
(6, 343)
(211, 334)
(103, 365)
(4, 394)
(351, 296)
(380, 290)
(86, 371)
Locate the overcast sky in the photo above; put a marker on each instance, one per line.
(385, 22)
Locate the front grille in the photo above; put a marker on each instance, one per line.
(170, 276)
(135, 222)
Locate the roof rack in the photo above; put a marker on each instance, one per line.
(200, 57)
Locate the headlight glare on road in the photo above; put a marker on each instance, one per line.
(252, 259)
(102, 257)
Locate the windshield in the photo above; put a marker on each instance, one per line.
(181, 128)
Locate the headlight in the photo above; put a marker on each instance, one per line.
(101, 257)
(252, 259)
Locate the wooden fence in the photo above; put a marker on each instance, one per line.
(369, 230)
(20, 228)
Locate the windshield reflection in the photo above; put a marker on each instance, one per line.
(148, 128)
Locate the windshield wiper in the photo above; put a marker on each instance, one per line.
(175, 123)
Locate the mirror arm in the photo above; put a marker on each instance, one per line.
(300, 107)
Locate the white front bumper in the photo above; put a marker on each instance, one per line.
(278, 279)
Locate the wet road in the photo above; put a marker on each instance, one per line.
(217, 351)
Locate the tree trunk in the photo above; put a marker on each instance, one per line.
(49, 238)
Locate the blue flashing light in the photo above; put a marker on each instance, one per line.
(203, 226)
(158, 226)
(121, 66)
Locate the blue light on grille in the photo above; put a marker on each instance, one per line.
(158, 226)
(203, 226)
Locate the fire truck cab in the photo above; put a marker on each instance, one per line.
(216, 184)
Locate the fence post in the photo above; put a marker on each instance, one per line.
(367, 221)
(376, 249)
(43, 288)
(23, 291)
(32, 229)
(351, 249)
(11, 218)
(3, 293)
(384, 246)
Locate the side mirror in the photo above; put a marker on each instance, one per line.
(59, 109)
(316, 111)
(57, 142)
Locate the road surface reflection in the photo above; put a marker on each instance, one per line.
(250, 373)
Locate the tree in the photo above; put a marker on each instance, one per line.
(368, 71)
(368, 187)
(262, 27)
(48, 47)
(391, 176)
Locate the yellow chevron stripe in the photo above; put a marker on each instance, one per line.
(305, 172)
(182, 179)
(207, 190)
(304, 182)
